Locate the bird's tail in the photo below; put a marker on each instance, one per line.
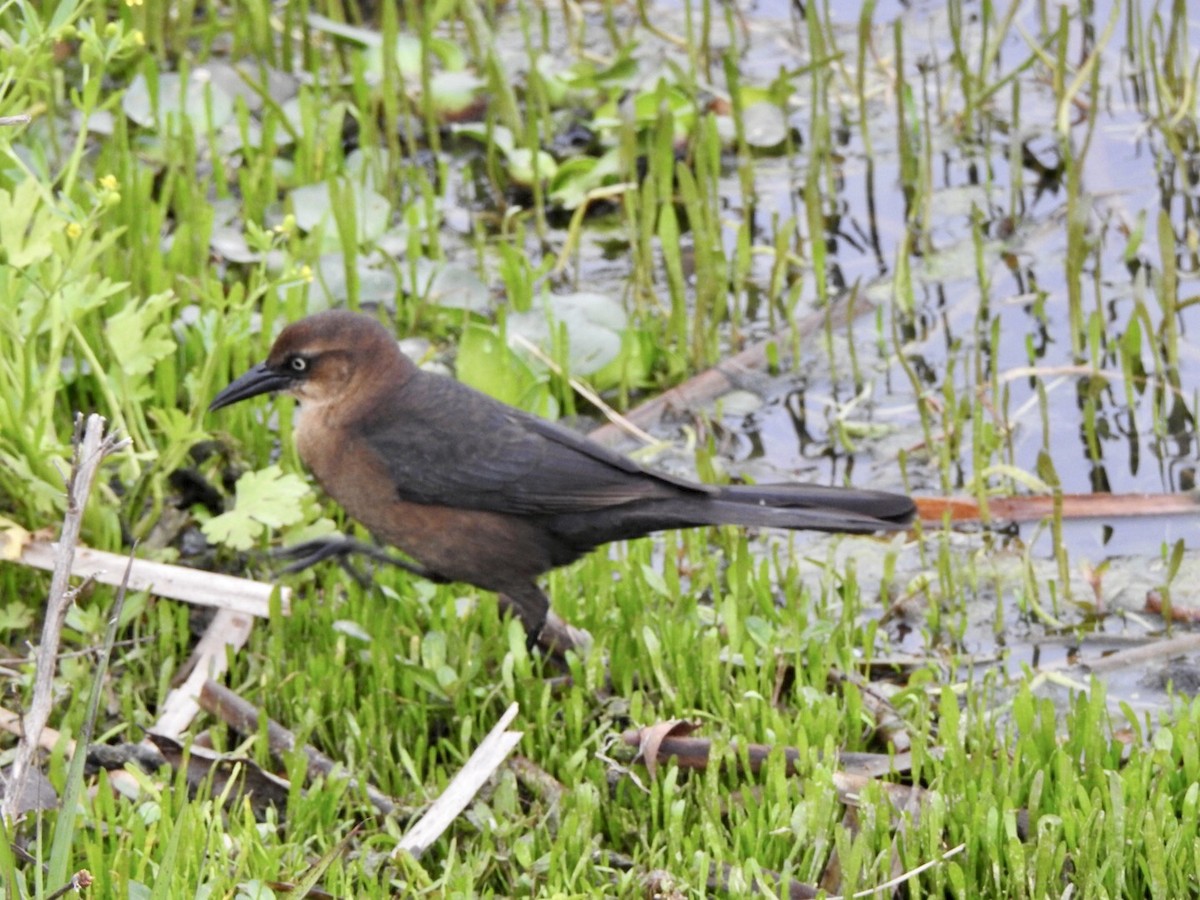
(790, 506)
(813, 506)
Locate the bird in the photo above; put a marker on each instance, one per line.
(472, 490)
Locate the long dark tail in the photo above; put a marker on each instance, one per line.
(835, 509)
(790, 506)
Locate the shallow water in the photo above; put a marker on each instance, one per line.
(991, 316)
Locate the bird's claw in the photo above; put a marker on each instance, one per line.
(308, 553)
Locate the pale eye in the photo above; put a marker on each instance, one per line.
(299, 364)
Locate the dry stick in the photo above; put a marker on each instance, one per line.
(10, 721)
(693, 753)
(244, 717)
(585, 391)
(902, 877)
(165, 580)
(712, 383)
(889, 724)
(1137, 656)
(209, 660)
(487, 758)
(548, 789)
(235, 599)
(92, 445)
(60, 847)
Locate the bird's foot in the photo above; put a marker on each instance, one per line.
(557, 637)
(308, 553)
(544, 630)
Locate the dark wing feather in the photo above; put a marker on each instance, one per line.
(445, 444)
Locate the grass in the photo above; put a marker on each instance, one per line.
(1008, 217)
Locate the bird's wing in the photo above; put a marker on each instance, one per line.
(445, 444)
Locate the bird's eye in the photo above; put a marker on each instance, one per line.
(298, 364)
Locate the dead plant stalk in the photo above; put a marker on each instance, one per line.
(92, 445)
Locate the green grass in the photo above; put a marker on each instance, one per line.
(1021, 284)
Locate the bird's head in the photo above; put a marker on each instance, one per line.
(320, 360)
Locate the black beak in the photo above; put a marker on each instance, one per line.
(259, 380)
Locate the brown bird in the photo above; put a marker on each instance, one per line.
(476, 491)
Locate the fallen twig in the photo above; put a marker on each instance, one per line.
(193, 586)
(1136, 656)
(488, 756)
(903, 876)
(235, 599)
(226, 774)
(548, 789)
(693, 753)
(889, 724)
(209, 661)
(243, 716)
(703, 389)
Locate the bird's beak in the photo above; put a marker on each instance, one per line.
(259, 380)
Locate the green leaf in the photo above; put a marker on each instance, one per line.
(487, 364)
(26, 225)
(233, 529)
(272, 497)
(139, 335)
(71, 302)
(15, 616)
(264, 499)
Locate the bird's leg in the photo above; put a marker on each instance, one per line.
(544, 629)
(309, 553)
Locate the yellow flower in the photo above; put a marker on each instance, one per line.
(306, 273)
(109, 182)
(74, 230)
(139, 38)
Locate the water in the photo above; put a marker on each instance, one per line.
(991, 327)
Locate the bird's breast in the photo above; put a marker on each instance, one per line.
(328, 454)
